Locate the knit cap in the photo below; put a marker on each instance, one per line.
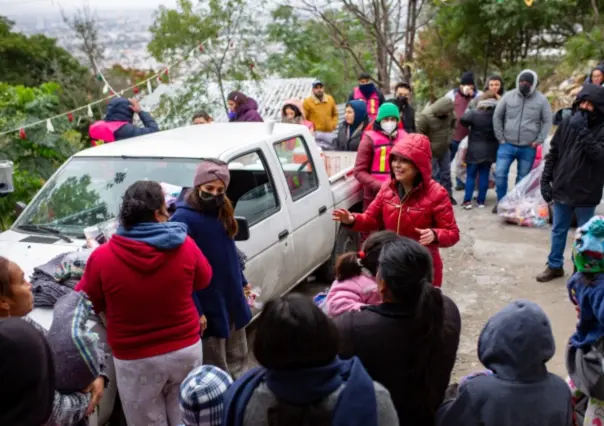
(467, 78)
(201, 396)
(388, 110)
(528, 77)
(208, 171)
(588, 248)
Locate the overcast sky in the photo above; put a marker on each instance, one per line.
(9, 7)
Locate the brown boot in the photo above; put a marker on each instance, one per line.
(550, 274)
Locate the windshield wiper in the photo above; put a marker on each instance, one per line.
(45, 230)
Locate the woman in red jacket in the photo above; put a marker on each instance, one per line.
(412, 204)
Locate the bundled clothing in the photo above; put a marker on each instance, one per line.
(515, 345)
(370, 96)
(342, 387)
(407, 113)
(427, 206)
(117, 124)
(349, 135)
(352, 295)
(600, 68)
(392, 348)
(202, 396)
(246, 109)
(323, 113)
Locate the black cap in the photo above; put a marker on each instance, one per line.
(317, 83)
(467, 78)
(527, 77)
(364, 76)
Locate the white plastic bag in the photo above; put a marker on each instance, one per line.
(524, 204)
(461, 168)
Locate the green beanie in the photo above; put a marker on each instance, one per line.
(387, 110)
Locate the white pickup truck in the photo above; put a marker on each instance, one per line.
(279, 184)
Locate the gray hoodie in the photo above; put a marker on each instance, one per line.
(523, 120)
(515, 344)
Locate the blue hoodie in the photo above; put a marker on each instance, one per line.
(119, 110)
(223, 302)
(515, 344)
(164, 236)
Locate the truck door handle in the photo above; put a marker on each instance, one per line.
(322, 209)
(283, 235)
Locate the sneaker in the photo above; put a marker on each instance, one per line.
(481, 206)
(453, 201)
(550, 274)
(467, 205)
(494, 211)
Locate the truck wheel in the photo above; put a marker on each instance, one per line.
(346, 240)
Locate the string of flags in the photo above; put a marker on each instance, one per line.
(160, 76)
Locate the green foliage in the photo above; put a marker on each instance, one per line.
(26, 185)
(585, 46)
(310, 51)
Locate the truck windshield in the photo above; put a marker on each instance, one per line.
(88, 190)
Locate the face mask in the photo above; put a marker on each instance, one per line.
(466, 90)
(389, 127)
(232, 115)
(367, 89)
(211, 202)
(402, 100)
(525, 89)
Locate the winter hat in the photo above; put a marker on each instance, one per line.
(201, 396)
(387, 110)
(209, 170)
(237, 97)
(588, 248)
(467, 78)
(527, 77)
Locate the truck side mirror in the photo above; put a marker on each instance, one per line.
(19, 207)
(243, 233)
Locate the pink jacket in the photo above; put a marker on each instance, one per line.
(351, 295)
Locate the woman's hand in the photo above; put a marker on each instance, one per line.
(344, 216)
(247, 290)
(203, 323)
(96, 390)
(426, 236)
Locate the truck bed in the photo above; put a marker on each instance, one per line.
(347, 191)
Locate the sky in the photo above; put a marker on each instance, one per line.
(11, 7)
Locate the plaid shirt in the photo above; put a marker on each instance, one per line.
(200, 397)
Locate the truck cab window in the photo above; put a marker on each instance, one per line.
(297, 165)
(251, 188)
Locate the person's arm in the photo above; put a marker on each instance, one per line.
(362, 164)
(372, 219)
(422, 124)
(344, 297)
(445, 228)
(498, 118)
(68, 409)
(148, 121)
(546, 121)
(203, 270)
(551, 159)
(466, 118)
(592, 145)
(334, 113)
(459, 411)
(91, 282)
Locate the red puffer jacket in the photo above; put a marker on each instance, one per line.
(427, 206)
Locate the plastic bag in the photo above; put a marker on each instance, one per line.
(524, 205)
(461, 168)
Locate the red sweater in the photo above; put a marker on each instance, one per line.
(146, 295)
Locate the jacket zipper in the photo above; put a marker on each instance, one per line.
(400, 210)
(521, 114)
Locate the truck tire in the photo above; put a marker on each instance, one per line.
(346, 240)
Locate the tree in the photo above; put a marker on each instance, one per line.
(84, 26)
(307, 48)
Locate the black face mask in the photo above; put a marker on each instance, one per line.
(210, 202)
(525, 89)
(402, 100)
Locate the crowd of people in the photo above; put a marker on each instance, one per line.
(380, 349)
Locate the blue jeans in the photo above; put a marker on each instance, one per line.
(506, 154)
(481, 170)
(441, 171)
(453, 148)
(563, 216)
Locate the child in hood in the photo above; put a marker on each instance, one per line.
(355, 284)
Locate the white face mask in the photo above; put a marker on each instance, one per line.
(388, 126)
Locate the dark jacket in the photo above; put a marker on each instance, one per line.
(600, 68)
(223, 302)
(119, 110)
(407, 115)
(438, 130)
(386, 341)
(574, 163)
(482, 143)
(515, 344)
(248, 112)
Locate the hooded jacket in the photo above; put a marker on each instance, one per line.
(427, 206)
(302, 117)
(438, 130)
(600, 68)
(119, 110)
(515, 344)
(143, 279)
(573, 165)
(247, 112)
(223, 302)
(482, 143)
(523, 120)
(349, 135)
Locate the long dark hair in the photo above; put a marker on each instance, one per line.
(405, 267)
(140, 202)
(293, 333)
(351, 264)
